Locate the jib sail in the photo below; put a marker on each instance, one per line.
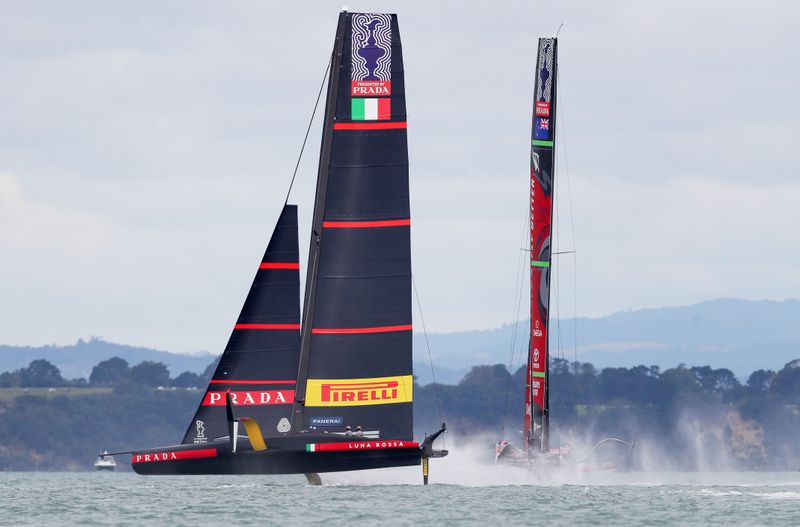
(355, 366)
(541, 215)
(259, 365)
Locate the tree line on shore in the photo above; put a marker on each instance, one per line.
(685, 409)
(41, 373)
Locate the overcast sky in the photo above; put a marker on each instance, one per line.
(146, 148)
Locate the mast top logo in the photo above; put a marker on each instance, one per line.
(371, 55)
(544, 83)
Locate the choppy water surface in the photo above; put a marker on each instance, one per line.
(376, 499)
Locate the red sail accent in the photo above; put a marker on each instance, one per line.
(174, 456)
(370, 126)
(267, 326)
(365, 224)
(279, 265)
(352, 331)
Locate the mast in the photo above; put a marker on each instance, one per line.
(316, 223)
(537, 399)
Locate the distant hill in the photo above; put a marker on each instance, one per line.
(740, 335)
(77, 360)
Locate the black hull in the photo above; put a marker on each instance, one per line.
(283, 462)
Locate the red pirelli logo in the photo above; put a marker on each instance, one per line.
(359, 392)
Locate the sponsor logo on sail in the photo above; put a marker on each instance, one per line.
(283, 425)
(201, 432)
(544, 84)
(250, 398)
(371, 60)
(326, 421)
(371, 55)
(359, 392)
(542, 109)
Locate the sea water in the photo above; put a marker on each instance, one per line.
(396, 497)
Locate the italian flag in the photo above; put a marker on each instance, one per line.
(371, 109)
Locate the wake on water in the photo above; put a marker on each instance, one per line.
(471, 464)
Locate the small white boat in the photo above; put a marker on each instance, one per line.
(105, 462)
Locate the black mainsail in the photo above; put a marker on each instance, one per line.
(356, 365)
(335, 392)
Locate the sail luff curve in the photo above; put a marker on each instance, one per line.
(541, 216)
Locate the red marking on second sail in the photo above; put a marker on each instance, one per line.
(351, 331)
(370, 126)
(365, 224)
(266, 326)
(279, 265)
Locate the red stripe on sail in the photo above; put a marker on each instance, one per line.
(224, 381)
(174, 456)
(352, 331)
(370, 126)
(365, 224)
(279, 265)
(266, 326)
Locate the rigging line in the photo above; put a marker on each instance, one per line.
(430, 355)
(572, 225)
(308, 129)
(514, 330)
(556, 234)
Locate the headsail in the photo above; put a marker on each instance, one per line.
(355, 365)
(259, 365)
(541, 215)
